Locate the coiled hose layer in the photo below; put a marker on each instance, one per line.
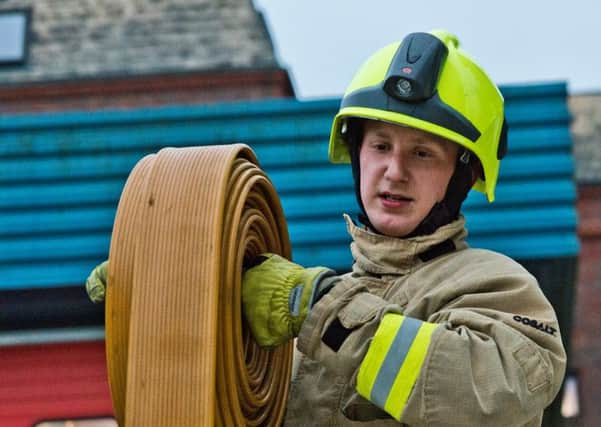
(178, 353)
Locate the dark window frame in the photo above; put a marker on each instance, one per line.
(27, 13)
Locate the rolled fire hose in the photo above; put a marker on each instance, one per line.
(178, 351)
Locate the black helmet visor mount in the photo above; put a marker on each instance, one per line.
(410, 86)
(415, 68)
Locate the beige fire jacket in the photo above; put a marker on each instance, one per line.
(494, 357)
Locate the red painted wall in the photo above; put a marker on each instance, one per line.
(53, 381)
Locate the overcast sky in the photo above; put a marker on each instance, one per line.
(323, 42)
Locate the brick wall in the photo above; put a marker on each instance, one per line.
(145, 91)
(585, 358)
(586, 341)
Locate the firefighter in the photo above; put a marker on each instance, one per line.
(424, 330)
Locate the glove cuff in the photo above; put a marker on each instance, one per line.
(304, 292)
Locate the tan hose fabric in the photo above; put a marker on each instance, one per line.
(177, 351)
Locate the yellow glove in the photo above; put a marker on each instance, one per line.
(277, 295)
(96, 282)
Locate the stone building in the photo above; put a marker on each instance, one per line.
(132, 53)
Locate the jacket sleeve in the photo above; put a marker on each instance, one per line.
(488, 353)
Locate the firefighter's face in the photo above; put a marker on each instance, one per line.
(404, 172)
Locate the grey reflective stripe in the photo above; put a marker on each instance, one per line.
(394, 360)
(294, 300)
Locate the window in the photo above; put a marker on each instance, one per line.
(14, 36)
(570, 405)
(88, 422)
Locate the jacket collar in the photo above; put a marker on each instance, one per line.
(382, 255)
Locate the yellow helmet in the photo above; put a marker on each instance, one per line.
(428, 82)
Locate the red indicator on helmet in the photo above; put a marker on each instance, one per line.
(407, 70)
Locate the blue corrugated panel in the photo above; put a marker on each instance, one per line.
(61, 176)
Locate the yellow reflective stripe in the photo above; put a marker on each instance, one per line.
(393, 362)
(376, 353)
(407, 376)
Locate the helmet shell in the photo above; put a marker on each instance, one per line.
(462, 88)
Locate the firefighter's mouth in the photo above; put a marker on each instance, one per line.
(395, 197)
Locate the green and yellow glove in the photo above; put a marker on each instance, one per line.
(277, 295)
(96, 282)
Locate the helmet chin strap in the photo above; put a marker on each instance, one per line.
(354, 135)
(447, 210)
(443, 212)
